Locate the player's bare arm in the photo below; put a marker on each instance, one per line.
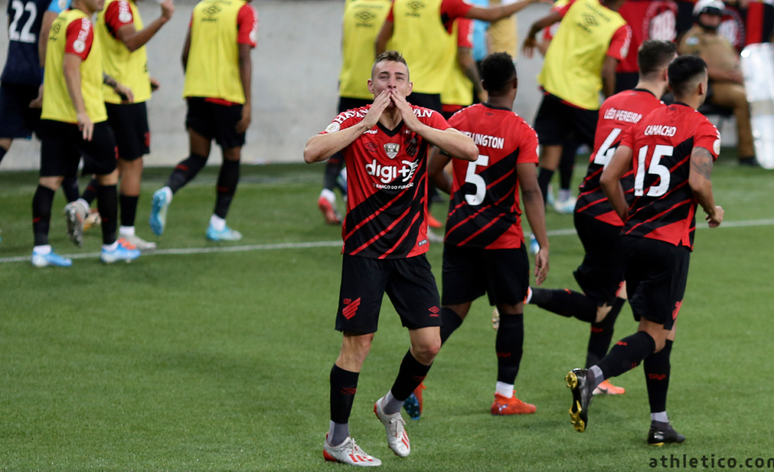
(72, 74)
(700, 181)
(498, 12)
(385, 34)
(134, 39)
(456, 144)
(246, 75)
(322, 146)
(610, 181)
(530, 43)
(122, 90)
(45, 28)
(468, 65)
(536, 215)
(186, 49)
(608, 76)
(435, 169)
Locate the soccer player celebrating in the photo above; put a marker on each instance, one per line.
(218, 71)
(73, 125)
(385, 238)
(601, 273)
(123, 40)
(484, 248)
(672, 151)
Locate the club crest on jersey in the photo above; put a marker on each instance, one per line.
(392, 149)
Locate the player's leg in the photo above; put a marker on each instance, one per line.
(363, 282)
(231, 143)
(200, 135)
(656, 273)
(130, 125)
(733, 96)
(413, 291)
(99, 158)
(657, 368)
(5, 146)
(326, 202)
(507, 281)
(57, 158)
(228, 178)
(565, 203)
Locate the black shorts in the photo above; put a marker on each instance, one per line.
(17, 119)
(346, 103)
(656, 274)
(426, 100)
(63, 145)
(556, 120)
(215, 121)
(408, 282)
(130, 127)
(602, 270)
(469, 272)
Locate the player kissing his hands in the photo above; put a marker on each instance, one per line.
(377, 108)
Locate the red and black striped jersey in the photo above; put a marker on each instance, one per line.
(484, 209)
(386, 187)
(664, 206)
(617, 114)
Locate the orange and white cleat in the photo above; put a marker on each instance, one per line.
(511, 406)
(606, 388)
(92, 219)
(329, 211)
(432, 222)
(496, 319)
(349, 453)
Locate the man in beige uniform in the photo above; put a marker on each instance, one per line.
(725, 73)
(503, 35)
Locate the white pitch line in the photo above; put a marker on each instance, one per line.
(315, 244)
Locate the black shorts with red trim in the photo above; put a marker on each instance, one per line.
(656, 275)
(469, 272)
(557, 120)
(130, 127)
(408, 282)
(602, 270)
(62, 146)
(17, 119)
(215, 121)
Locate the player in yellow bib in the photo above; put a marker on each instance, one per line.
(73, 124)
(361, 24)
(123, 37)
(580, 62)
(218, 71)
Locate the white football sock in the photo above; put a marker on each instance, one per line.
(661, 417)
(126, 230)
(504, 389)
(110, 247)
(328, 195)
(218, 223)
(42, 250)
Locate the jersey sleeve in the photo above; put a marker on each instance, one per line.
(465, 33)
(453, 9)
(528, 147)
(708, 137)
(345, 120)
(563, 10)
(247, 25)
(79, 38)
(57, 6)
(433, 119)
(390, 14)
(619, 45)
(627, 137)
(118, 14)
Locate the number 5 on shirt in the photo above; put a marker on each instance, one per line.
(477, 180)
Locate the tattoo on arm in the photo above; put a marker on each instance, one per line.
(701, 162)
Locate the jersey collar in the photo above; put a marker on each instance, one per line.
(644, 90)
(390, 132)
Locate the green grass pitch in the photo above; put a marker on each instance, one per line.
(220, 361)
